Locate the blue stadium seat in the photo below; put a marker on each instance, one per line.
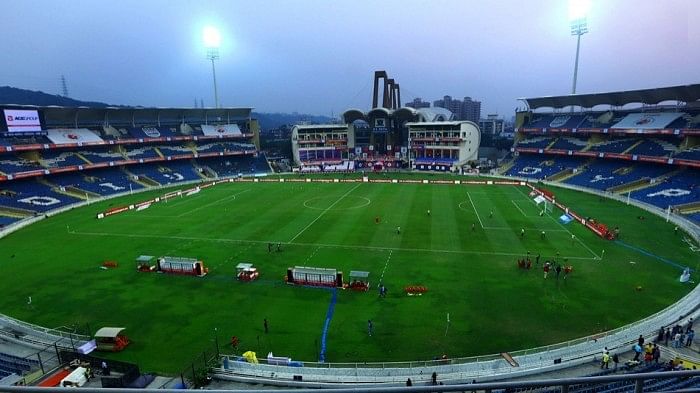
(105, 181)
(31, 195)
(166, 174)
(614, 145)
(678, 189)
(603, 174)
(539, 166)
(235, 165)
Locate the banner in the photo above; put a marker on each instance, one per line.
(647, 121)
(559, 121)
(565, 219)
(22, 120)
(226, 129)
(151, 132)
(71, 136)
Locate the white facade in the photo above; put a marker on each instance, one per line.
(447, 143)
(327, 143)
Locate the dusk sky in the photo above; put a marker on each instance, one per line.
(319, 56)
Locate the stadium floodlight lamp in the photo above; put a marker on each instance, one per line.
(212, 41)
(212, 37)
(578, 17)
(578, 9)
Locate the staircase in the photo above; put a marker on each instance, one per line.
(69, 190)
(200, 169)
(15, 212)
(592, 141)
(581, 169)
(142, 180)
(82, 157)
(121, 151)
(629, 149)
(642, 183)
(631, 186)
(506, 166)
(561, 175)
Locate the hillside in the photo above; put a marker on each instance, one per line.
(13, 95)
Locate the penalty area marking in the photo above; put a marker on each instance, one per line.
(461, 206)
(367, 202)
(521, 210)
(560, 224)
(212, 203)
(325, 245)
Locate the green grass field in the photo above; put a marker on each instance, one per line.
(471, 274)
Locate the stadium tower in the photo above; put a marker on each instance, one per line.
(388, 136)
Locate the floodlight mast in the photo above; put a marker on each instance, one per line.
(579, 27)
(213, 54)
(212, 39)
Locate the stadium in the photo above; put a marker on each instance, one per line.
(161, 248)
(116, 185)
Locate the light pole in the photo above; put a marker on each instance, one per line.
(212, 40)
(578, 15)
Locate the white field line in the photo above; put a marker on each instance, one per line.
(386, 264)
(328, 245)
(324, 212)
(477, 213)
(212, 203)
(526, 228)
(518, 207)
(560, 224)
(509, 228)
(181, 199)
(312, 255)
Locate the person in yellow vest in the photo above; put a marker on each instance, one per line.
(606, 360)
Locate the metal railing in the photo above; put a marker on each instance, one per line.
(633, 382)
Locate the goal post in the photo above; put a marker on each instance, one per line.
(544, 205)
(547, 207)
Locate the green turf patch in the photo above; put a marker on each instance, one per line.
(464, 252)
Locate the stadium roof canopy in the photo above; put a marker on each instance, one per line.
(686, 93)
(74, 116)
(404, 113)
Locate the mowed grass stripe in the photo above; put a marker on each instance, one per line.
(494, 306)
(281, 214)
(324, 211)
(495, 239)
(444, 225)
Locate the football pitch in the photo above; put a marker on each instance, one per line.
(460, 241)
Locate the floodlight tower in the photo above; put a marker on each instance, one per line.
(212, 40)
(578, 16)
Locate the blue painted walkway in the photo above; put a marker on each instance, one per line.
(327, 324)
(650, 254)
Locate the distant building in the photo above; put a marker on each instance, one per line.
(418, 103)
(492, 125)
(442, 145)
(466, 109)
